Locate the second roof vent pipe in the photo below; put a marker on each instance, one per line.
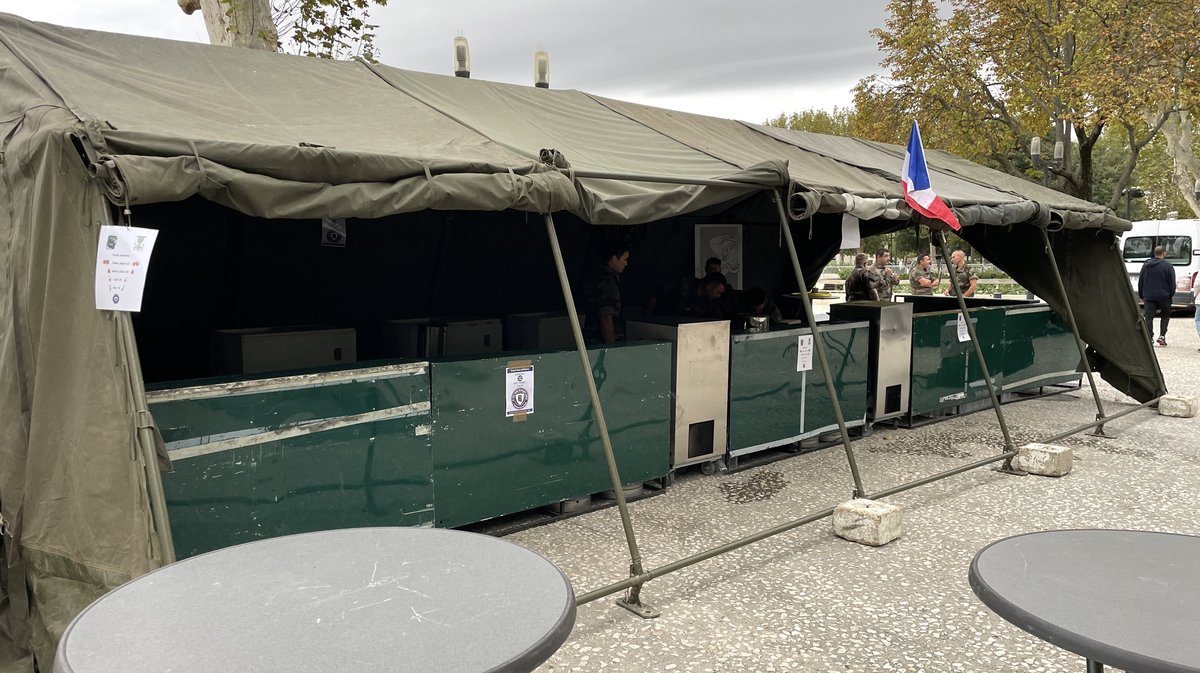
(541, 69)
(462, 57)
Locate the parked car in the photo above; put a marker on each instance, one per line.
(1181, 238)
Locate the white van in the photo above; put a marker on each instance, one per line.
(1181, 238)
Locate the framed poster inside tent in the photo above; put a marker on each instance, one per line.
(725, 242)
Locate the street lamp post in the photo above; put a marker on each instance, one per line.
(1131, 193)
(1035, 156)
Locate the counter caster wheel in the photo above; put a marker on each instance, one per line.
(708, 469)
(669, 479)
(867, 430)
(731, 462)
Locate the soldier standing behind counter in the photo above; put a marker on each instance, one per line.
(860, 286)
(921, 278)
(963, 275)
(602, 296)
(883, 277)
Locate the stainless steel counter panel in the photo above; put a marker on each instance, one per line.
(891, 353)
(700, 384)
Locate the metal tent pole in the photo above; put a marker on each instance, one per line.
(819, 345)
(815, 516)
(145, 440)
(632, 601)
(1070, 315)
(987, 375)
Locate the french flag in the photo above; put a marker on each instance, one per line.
(914, 181)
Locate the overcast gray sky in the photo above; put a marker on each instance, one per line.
(743, 59)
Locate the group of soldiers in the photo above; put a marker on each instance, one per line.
(874, 282)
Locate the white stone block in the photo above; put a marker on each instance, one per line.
(868, 522)
(1047, 460)
(1177, 405)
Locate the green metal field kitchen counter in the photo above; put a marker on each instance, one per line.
(401, 444)
(773, 402)
(1026, 345)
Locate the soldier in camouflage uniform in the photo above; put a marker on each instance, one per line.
(922, 279)
(860, 286)
(881, 276)
(963, 275)
(602, 296)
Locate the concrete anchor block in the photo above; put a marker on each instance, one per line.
(868, 522)
(1047, 460)
(1178, 406)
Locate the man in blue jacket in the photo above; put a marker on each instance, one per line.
(1156, 287)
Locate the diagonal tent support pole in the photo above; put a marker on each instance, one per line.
(940, 240)
(1070, 315)
(819, 345)
(632, 600)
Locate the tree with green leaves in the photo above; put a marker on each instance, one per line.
(320, 28)
(991, 75)
(838, 122)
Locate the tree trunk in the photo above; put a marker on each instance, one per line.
(1178, 132)
(1083, 186)
(240, 23)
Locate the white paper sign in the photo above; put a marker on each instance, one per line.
(122, 260)
(518, 390)
(850, 234)
(333, 232)
(804, 353)
(963, 334)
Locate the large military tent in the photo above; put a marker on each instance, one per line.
(93, 124)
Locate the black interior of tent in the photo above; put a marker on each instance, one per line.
(215, 268)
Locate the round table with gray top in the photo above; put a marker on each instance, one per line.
(1122, 598)
(364, 599)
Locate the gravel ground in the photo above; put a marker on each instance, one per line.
(806, 600)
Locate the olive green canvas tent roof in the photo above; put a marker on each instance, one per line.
(91, 119)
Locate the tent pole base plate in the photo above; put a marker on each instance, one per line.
(639, 609)
(1012, 470)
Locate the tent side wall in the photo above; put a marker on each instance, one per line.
(65, 394)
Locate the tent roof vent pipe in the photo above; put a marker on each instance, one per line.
(541, 69)
(462, 57)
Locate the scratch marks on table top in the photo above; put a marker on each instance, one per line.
(422, 617)
(284, 591)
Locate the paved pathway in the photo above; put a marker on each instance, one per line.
(808, 601)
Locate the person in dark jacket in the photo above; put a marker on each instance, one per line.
(708, 298)
(1156, 288)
